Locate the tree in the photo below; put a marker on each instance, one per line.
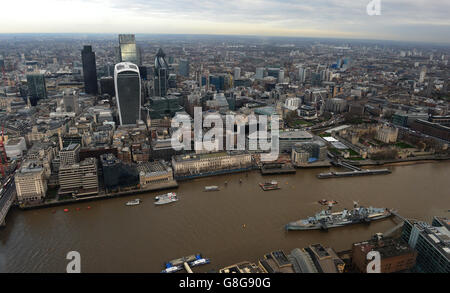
(291, 116)
(326, 115)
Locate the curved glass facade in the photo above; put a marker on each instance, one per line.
(128, 93)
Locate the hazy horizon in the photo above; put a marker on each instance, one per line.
(400, 20)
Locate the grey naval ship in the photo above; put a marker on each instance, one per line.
(326, 219)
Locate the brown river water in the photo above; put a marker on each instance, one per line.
(240, 222)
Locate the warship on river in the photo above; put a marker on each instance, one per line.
(326, 219)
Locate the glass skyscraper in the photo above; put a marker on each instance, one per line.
(36, 87)
(161, 74)
(183, 68)
(128, 50)
(89, 70)
(128, 92)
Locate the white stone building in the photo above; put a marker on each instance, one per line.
(31, 184)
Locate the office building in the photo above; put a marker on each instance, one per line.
(78, 179)
(302, 262)
(276, 262)
(306, 111)
(161, 107)
(281, 76)
(237, 73)
(325, 259)
(407, 119)
(151, 173)
(259, 75)
(431, 129)
(186, 166)
(172, 81)
(396, 255)
(71, 103)
(128, 50)
(70, 154)
(128, 92)
(219, 103)
(163, 150)
(443, 120)
(292, 103)
(423, 74)
(89, 70)
(309, 152)
(288, 139)
(161, 74)
(68, 139)
(143, 73)
(432, 243)
(36, 87)
(316, 79)
(30, 181)
(301, 75)
(274, 72)
(183, 68)
(15, 147)
(336, 105)
(218, 81)
(107, 86)
(117, 175)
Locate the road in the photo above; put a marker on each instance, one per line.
(8, 196)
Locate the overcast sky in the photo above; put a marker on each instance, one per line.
(411, 20)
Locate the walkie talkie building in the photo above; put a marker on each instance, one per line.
(128, 92)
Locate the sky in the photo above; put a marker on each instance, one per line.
(403, 20)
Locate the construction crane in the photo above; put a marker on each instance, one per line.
(4, 159)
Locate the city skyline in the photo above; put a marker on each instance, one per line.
(225, 137)
(417, 20)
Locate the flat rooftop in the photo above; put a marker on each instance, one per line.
(193, 157)
(30, 167)
(440, 238)
(242, 267)
(388, 247)
(294, 135)
(71, 147)
(152, 167)
(342, 127)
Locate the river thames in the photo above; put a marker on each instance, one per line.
(240, 222)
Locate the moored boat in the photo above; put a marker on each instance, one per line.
(171, 269)
(212, 188)
(326, 219)
(326, 202)
(273, 185)
(135, 202)
(179, 263)
(166, 198)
